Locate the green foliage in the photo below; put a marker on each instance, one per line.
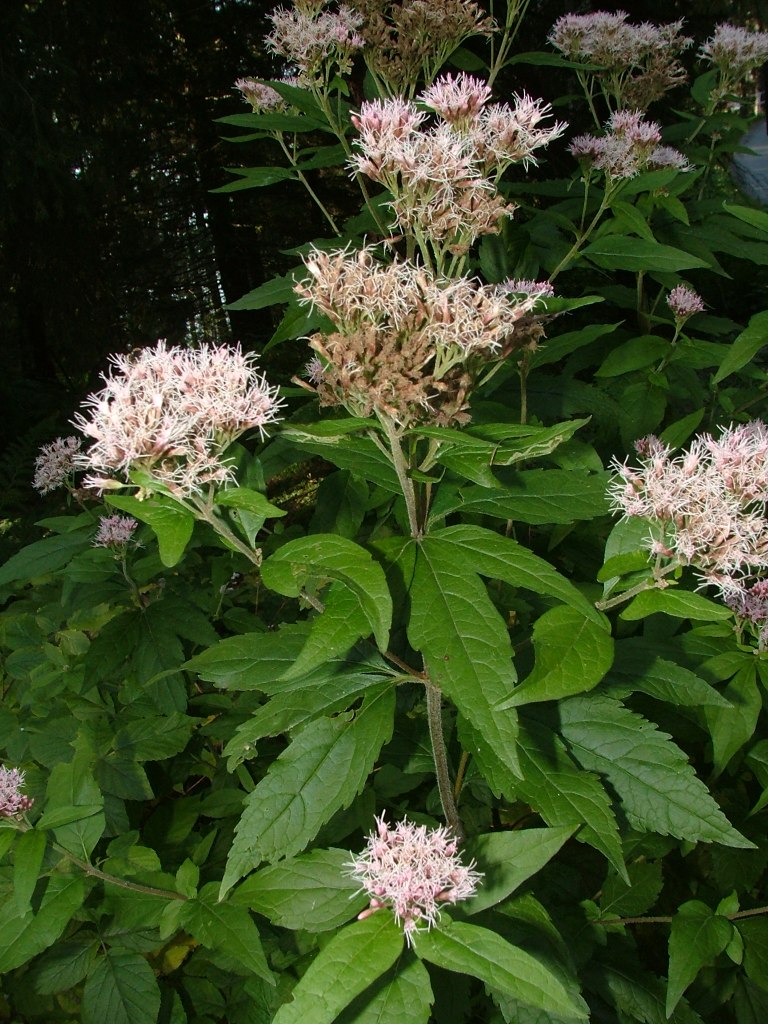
(392, 615)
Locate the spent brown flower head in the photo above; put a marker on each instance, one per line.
(405, 342)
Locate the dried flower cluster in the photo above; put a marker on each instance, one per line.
(318, 42)
(172, 412)
(684, 302)
(262, 98)
(410, 40)
(407, 344)
(443, 175)
(12, 800)
(413, 870)
(637, 63)
(114, 531)
(708, 504)
(55, 464)
(735, 52)
(631, 145)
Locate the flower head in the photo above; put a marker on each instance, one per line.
(405, 342)
(312, 38)
(684, 302)
(260, 96)
(413, 870)
(55, 464)
(735, 50)
(630, 145)
(12, 801)
(171, 413)
(114, 531)
(636, 64)
(707, 504)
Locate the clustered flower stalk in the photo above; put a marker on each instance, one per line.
(706, 509)
(629, 65)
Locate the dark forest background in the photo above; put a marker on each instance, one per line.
(110, 234)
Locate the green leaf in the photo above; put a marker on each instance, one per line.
(72, 785)
(539, 497)
(464, 642)
(622, 252)
(154, 739)
(255, 177)
(507, 859)
(754, 932)
(333, 631)
(757, 218)
(637, 667)
(564, 794)
(227, 929)
(252, 661)
(271, 293)
(42, 557)
(731, 728)
(622, 898)
(328, 556)
(357, 454)
(557, 348)
(635, 354)
(681, 604)
(573, 653)
(745, 347)
(172, 525)
(287, 711)
(697, 937)
(343, 968)
(490, 554)
(403, 993)
(469, 949)
(27, 860)
(251, 501)
(652, 777)
(65, 965)
(637, 995)
(23, 936)
(312, 892)
(122, 990)
(321, 771)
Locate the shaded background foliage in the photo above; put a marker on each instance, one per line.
(110, 234)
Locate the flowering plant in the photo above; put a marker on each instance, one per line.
(351, 699)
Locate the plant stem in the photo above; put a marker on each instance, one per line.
(89, 869)
(667, 919)
(582, 236)
(300, 175)
(401, 468)
(634, 591)
(435, 718)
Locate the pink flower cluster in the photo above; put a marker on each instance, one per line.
(735, 50)
(708, 504)
(12, 800)
(313, 39)
(413, 870)
(171, 413)
(443, 174)
(631, 145)
(684, 302)
(261, 97)
(55, 464)
(114, 531)
(636, 64)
